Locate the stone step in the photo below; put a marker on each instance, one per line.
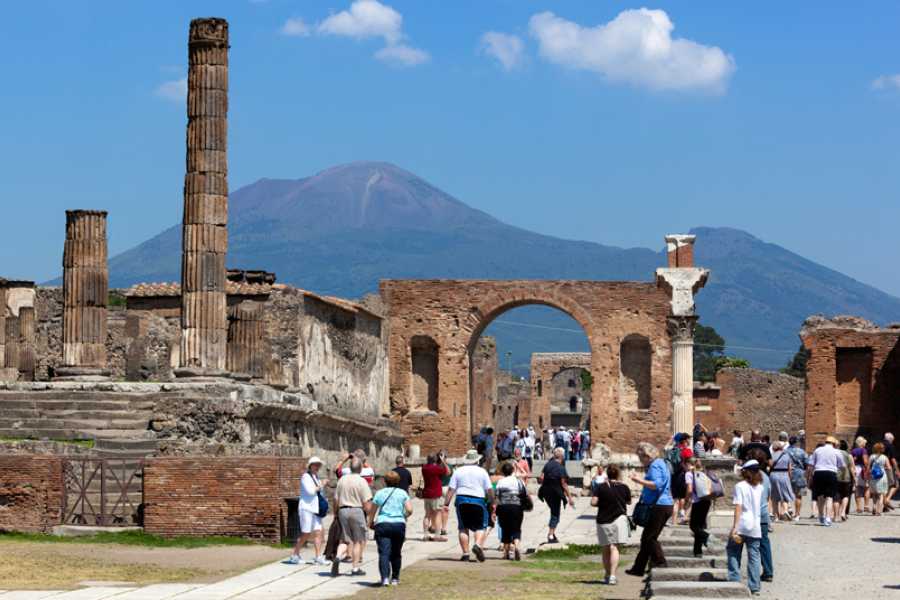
(44, 434)
(689, 574)
(52, 413)
(75, 395)
(50, 404)
(687, 551)
(74, 424)
(117, 447)
(698, 589)
(716, 561)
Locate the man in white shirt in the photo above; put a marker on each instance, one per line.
(824, 465)
(471, 485)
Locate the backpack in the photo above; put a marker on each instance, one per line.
(876, 471)
(673, 459)
(702, 484)
(718, 490)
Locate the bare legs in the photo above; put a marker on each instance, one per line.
(316, 537)
(610, 559)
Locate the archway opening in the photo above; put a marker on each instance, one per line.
(521, 365)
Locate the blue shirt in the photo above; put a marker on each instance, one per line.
(658, 473)
(764, 499)
(391, 502)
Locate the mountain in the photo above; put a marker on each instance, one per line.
(341, 230)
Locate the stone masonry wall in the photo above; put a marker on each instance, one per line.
(544, 367)
(31, 493)
(752, 399)
(243, 497)
(484, 383)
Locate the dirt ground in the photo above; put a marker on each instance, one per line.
(33, 565)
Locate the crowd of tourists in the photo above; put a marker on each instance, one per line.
(488, 490)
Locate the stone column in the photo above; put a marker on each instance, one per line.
(2, 328)
(204, 326)
(11, 358)
(682, 280)
(26, 343)
(85, 293)
(245, 341)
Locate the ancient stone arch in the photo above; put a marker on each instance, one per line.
(454, 313)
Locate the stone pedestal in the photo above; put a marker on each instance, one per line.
(204, 327)
(85, 293)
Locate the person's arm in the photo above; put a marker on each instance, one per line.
(595, 500)
(650, 483)
(408, 508)
(565, 487)
(689, 483)
(737, 519)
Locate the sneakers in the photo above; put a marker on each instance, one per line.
(611, 580)
(478, 552)
(827, 522)
(357, 572)
(385, 582)
(320, 560)
(335, 567)
(295, 560)
(464, 558)
(395, 582)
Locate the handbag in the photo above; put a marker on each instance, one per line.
(322, 512)
(631, 524)
(524, 499)
(641, 514)
(718, 490)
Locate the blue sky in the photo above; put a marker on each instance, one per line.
(777, 118)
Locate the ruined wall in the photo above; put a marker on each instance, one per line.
(853, 377)
(31, 493)
(484, 383)
(550, 391)
(244, 497)
(454, 314)
(512, 407)
(747, 399)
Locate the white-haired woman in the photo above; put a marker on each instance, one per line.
(308, 506)
(555, 490)
(657, 496)
(861, 466)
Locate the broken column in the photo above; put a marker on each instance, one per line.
(4, 375)
(204, 326)
(16, 327)
(246, 341)
(85, 293)
(682, 280)
(26, 343)
(11, 357)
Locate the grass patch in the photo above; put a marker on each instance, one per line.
(81, 443)
(573, 552)
(129, 538)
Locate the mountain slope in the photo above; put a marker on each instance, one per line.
(341, 230)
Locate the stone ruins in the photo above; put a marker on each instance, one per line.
(174, 390)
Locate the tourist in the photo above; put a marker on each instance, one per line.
(471, 485)
(308, 507)
(530, 444)
(700, 445)
(679, 486)
(756, 441)
(717, 444)
(657, 496)
(564, 441)
(505, 446)
(799, 465)
(737, 442)
(388, 512)
(845, 479)
(700, 489)
(352, 496)
(824, 464)
(861, 467)
(522, 468)
(765, 546)
(367, 473)
(484, 445)
(892, 470)
(585, 443)
(877, 475)
(403, 472)
(433, 472)
(611, 499)
(554, 490)
(783, 496)
(746, 529)
(510, 510)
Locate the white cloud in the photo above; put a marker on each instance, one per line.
(365, 19)
(637, 48)
(401, 55)
(295, 27)
(175, 90)
(887, 82)
(507, 49)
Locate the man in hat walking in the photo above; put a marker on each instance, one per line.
(471, 485)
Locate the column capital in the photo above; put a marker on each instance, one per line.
(681, 329)
(682, 284)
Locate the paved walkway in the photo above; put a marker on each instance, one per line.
(279, 581)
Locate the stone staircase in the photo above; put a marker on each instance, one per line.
(573, 468)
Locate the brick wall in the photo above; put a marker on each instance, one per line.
(242, 496)
(31, 493)
(747, 399)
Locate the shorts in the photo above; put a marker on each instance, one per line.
(434, 504)
(471, 516)
(309, 522)
(824, 484)
(799, 486)
(616, 532)
(844, 489)
(353, 522)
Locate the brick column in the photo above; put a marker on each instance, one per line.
(85, 293)
(26, 343)
(204, 326)
(245, 341)
(682, 281)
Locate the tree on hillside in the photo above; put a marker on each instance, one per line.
(797, 365)
(708, 346)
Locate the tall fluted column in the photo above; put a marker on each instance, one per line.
(204, 326)
(681, 330)
(85, 293)
(2, 327)
(12, 344)
(245, 341)
(26, 343)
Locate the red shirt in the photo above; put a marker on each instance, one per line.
(432, 475)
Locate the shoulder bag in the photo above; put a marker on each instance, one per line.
(323, 501)
(524, 499)
(371, 519)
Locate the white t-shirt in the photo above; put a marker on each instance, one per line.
(749, 498)
(529, 446)
(470, 480)
(827, 458)
(309, 498)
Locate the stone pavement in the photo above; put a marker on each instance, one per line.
(279, 581)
